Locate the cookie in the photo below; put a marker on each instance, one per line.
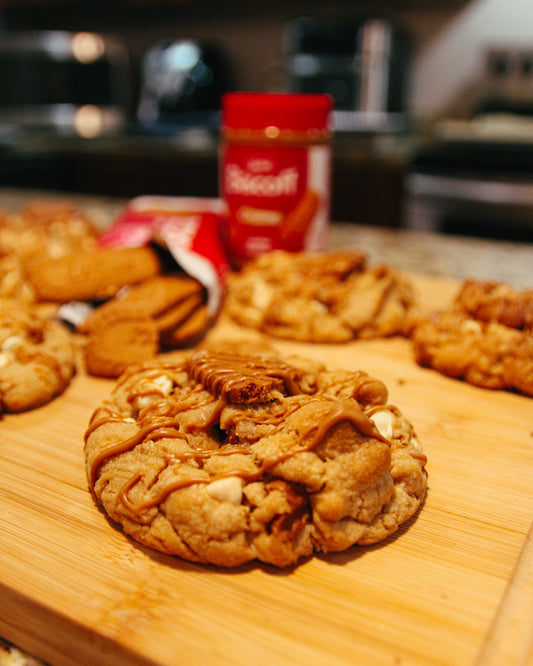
(233, 454)
(496, 301)
(321, 297)
(46, 228)
(158, 297)
(161, 313)
(36, 357)
(485, 337)
(41, 229)
(123, 340)
(12, 281)
(94, 275)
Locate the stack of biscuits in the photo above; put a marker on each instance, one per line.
(137, 303)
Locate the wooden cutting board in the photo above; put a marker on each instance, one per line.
(75, 590)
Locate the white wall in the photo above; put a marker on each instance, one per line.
(451, 62)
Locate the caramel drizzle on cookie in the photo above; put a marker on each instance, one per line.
(348, 410)
(230, 377)
(158, 429)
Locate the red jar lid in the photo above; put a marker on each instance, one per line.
(257, 111)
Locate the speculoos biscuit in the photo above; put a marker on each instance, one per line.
(158, 314)
(93, 275)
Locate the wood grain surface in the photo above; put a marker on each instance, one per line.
(75, 590)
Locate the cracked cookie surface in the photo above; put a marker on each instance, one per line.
(321, 297)
(36, 357)
(229, 456)
(485, 337)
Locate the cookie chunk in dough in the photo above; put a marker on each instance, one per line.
(233, 455)
(321, 297)
(36, 357)
(484, 337)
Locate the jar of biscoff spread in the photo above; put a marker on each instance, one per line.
(275, 172)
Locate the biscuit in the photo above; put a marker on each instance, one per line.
(123, 340)
(231, 454)
(93, 275)
(154, 297)
(193, 321)
(36, 357)
(321, 297)
(161, 313)
(484, 337)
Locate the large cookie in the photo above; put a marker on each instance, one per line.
(36, 357)
(484, 337)
(229, 456)
(321, 297)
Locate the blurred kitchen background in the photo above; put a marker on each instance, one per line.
(433, 121)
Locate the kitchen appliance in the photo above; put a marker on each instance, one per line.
(475, 175)
(362, 63)
(65, 81)
(182, 83)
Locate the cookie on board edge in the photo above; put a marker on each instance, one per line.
(485, 337)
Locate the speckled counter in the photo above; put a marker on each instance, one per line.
(440, 255)
(413, 251)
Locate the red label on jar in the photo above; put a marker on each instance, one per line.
(276, 197)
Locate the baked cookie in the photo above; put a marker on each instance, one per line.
(46, 228)
(160, 313)
(321, 297)
(229, 455)
(484, 337)
(36, 357)
(41, 229)
(94, 275)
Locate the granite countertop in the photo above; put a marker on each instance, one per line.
(427, 253)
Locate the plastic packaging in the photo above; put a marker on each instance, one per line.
(275, 172)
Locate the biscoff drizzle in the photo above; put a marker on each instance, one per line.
(219, 374)
(348, 410)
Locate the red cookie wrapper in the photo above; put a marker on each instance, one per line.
(190, 228)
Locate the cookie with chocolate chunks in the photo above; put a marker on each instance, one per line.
(237, 454)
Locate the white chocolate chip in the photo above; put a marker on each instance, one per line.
(470, 326)
(383, 422)
(12, 342)
(227, 490)
(162, 385)
(5, 359)
(261, 295)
